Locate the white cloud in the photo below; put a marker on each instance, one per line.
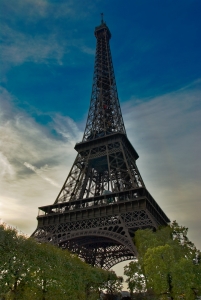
(166, 134)
(35, 162)
(168, 125)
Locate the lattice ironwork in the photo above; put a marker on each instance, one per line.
(104, 116)
(104, 199)
(105, 164)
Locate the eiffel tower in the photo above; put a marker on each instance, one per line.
(104, 199)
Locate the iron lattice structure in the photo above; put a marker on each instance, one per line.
(104, 199)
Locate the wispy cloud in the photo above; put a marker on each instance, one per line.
(27, 35)
(33, 10)
(67, 128)
(34, 162)
(40, 173)
(90, 51)
(20, 47)
(6, 167)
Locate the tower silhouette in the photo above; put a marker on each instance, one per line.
(104, 199)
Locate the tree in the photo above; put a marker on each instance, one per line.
(16, 263)
(113, 286)
(136, 279)
(29, 270)
(168, 262)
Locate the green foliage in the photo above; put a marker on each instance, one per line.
(113, 286)
(136, 279)
(168, 264)
(41, 271)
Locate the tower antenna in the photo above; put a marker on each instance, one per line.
(102, 18)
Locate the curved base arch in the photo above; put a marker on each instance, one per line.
(100, 248)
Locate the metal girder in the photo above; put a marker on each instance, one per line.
(100, 241)
(107, 165)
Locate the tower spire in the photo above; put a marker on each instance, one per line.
(102, 18)
(105, 117)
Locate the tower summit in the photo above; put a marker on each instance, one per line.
(104, 116)
(104, 199)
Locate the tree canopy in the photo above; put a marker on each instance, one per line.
(29, 270)
(168, 264)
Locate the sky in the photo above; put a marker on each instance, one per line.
(47, 60)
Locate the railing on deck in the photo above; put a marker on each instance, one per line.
(104, 200)
(108, 199)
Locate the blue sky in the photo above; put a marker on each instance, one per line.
(47, 59)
